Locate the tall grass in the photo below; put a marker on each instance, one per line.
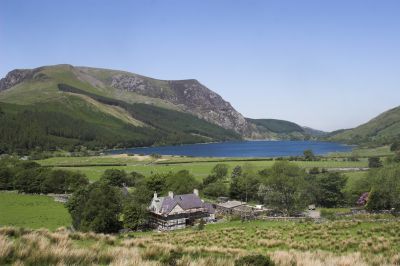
(336, 243)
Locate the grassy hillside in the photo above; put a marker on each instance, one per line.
(37, 114)
(382, 129)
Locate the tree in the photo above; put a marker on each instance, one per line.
(133, 178)
(243, 186)
(61, 181)
(30, 180)
(216, 189)
(309, 155)
(142, 194)
(384, 188)
(220, 171)
(6, 179)
(395, 146)
(330, 189)
(54, 182)
(114, 177)
(135, 215)
(284, 188)
(374, 162)
(96, 208)
(237, 171)
(209, 180)
(181, 182)
(157, 183)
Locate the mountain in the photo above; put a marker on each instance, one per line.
(67, 106)
(184, 95)
(381, 130)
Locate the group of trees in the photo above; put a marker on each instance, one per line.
(49, 127)
(284, 186)
(102, 207)
(30, 177)
(383, 187)
(215, 184)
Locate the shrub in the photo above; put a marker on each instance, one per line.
(254, 260)
(172, 258)
(374, 162)
(201, 225)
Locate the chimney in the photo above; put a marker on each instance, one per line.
(196, 192)
(171, 194)
(155, 195)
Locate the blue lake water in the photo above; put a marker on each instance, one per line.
(243, 149)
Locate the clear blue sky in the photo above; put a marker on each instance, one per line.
(325, 64)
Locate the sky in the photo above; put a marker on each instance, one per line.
(323, 64)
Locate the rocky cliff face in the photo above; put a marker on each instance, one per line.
(191, 95)
(17, 76)
(14, 77)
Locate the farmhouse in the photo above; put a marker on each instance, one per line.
(177, 211)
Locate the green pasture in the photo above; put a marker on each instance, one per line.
(32, 211)
(198, 168)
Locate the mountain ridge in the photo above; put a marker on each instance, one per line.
(199, 114)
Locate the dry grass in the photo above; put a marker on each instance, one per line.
(336, 243)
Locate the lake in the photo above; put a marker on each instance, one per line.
(242, 149)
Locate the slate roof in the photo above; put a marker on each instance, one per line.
(231, 204)
(186, 201)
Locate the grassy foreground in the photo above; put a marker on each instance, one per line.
(32, 211)
(287, 243)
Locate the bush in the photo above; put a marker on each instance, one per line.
(254, 260)
(172, 258)
(374, 162)
(202, 224)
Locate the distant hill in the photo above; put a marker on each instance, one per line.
(382, 129)
(314, 132)
(279, 129)
(277, 126)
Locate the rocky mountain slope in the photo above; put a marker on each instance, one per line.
(185, 95)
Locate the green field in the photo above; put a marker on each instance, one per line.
(382, 151)
(32, 211)
(199, 167)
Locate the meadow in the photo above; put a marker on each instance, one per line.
(32, 211)
(93, 167)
